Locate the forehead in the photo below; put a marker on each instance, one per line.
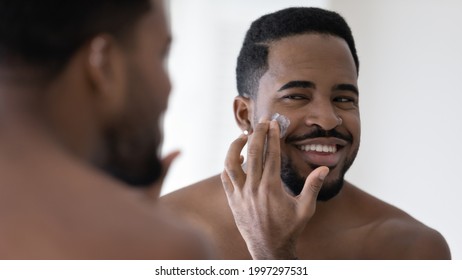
(310, 56)
(154, 23)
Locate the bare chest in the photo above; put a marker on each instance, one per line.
(317, 245)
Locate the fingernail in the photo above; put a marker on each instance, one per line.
(274, 124)
(323, 174)
(283, 123)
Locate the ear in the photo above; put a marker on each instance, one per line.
(107, 74)
(243, 113)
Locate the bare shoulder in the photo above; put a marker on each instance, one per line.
(406, 238)
(96, 222)
(204, 205)
(201, 197)
(157, 233)
(394, 234)
(168, 236)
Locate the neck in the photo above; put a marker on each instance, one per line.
(22, 133)
(22, 125)
(49, 112)
(19, 97)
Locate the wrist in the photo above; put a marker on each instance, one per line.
(267, 253)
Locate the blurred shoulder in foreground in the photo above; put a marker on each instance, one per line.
(82, 89)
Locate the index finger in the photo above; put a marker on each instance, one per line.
(272, 164)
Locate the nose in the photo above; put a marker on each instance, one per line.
(323, 114)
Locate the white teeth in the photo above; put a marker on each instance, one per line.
(319, 148)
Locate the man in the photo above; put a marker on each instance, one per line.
(300, 63)
(82, 89)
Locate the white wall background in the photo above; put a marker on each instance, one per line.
(411, 98)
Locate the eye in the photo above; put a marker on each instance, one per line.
(295, 97)
(346, 102)
(344, 99)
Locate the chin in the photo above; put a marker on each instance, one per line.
(132, 158)
(295, 182)
(330, 189)
(144, 176)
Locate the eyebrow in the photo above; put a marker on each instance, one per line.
(347, 87)
(297, 84)
(308, 84)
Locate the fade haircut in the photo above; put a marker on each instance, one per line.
(252, 61)
(44, 34)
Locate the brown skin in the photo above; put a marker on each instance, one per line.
(247, 211)
(54, 203)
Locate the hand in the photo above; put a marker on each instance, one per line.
(269, 218)
(153, 191)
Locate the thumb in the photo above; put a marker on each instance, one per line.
(311, 190)
(154, 190)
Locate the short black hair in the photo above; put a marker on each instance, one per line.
(252, 61)
(44, 34)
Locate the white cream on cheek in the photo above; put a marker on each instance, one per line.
(283, 122)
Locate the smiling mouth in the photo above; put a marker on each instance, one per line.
(331, 149)
(317, 154)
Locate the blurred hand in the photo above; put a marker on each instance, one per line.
(153, 192)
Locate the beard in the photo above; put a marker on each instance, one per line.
(134, 162)
(295, 182)
(132, 141)
(331, 187)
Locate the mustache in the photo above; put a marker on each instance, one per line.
(321, 133)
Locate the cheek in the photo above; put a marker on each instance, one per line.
(353, 124)
(153, 87)
(141, 105)
(159, 84)
(296, 121)
(266, 109)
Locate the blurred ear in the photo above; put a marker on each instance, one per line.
(107, 73)
(243, 112)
